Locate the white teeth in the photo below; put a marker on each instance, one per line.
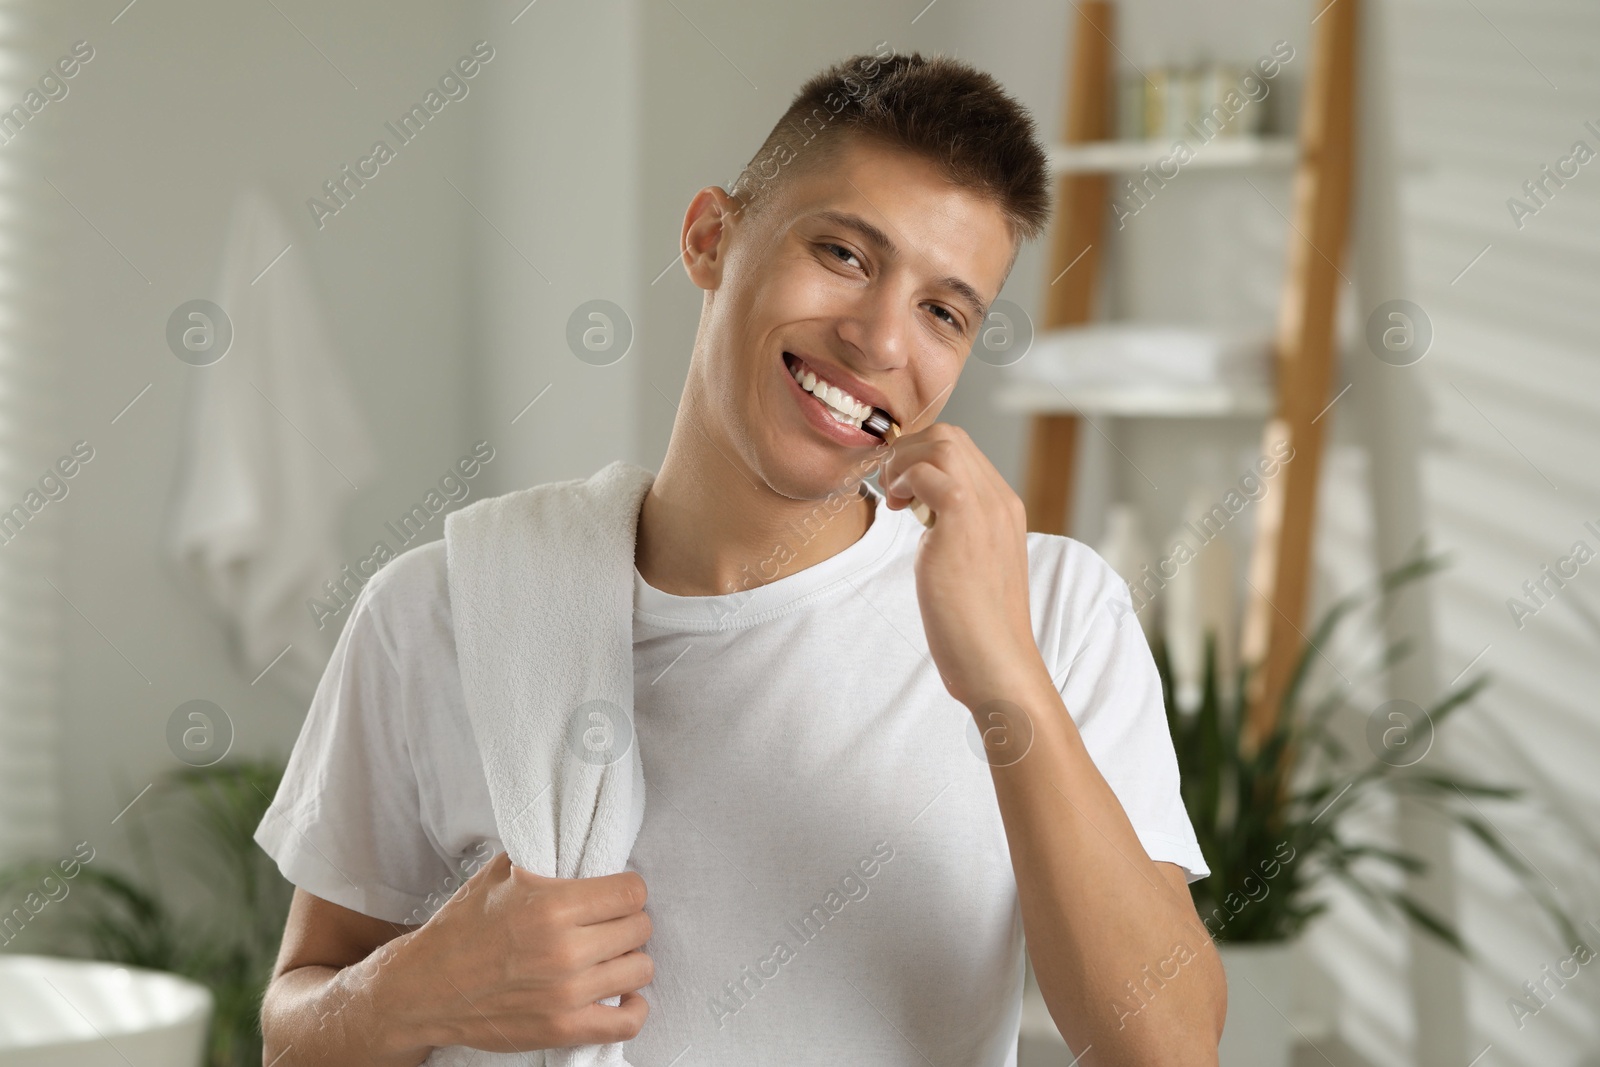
(841, 405)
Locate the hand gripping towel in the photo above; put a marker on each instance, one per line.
(541, 591)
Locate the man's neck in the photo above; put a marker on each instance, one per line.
(707, 532)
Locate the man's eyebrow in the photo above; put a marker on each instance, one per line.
(884, 244)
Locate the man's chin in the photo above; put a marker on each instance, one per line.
(820, 480)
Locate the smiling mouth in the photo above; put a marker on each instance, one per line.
(844, 408)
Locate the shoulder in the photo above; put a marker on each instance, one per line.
(414, 574)
(1072, 592)
(1072, 573)
(605, 496)
(409, 599)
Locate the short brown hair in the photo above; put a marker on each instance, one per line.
(947, 111)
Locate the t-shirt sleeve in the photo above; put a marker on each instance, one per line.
(1108, 680)
(345, 824)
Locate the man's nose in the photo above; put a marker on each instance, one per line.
(880, 329)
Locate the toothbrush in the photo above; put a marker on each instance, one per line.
(881, 426)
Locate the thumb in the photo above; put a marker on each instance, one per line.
(498, 869)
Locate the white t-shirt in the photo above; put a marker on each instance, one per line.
(828, 874)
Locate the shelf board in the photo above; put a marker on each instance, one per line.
(1136, 401)
(1222, 151)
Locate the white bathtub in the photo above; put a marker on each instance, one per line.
(83, 1013)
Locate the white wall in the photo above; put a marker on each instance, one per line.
(562, 166)
(1514, 391)
(183, 100)
(31, 630)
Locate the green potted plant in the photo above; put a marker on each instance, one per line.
(1271, 817)
(205, 820)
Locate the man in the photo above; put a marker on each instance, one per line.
(876, 754)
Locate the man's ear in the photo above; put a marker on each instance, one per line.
(707, 228)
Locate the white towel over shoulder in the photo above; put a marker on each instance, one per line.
(541, 592)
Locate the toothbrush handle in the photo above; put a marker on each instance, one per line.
(923, 513)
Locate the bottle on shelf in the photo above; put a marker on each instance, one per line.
(1200, 599)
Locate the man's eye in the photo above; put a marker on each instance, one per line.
(949, 317)
(841, 248)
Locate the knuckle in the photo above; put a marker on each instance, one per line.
(562, 958)
(573, 999)
(556, 912)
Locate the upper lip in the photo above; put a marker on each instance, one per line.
(846, 381)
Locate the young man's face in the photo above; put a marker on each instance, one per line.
(805, 282)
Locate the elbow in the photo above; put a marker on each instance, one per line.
(1220, 1012)
(271, 1043)
(1217, 1016)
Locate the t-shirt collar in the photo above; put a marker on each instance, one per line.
(761, 601)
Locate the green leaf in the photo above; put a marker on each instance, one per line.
(1404, 861)
(1443, 783)
(1496, 844)
(1430, 922)
(1532, 881)
(1456, 699)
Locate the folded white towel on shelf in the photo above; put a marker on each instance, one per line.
(1136, 353)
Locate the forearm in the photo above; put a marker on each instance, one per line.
(318, 1015)
(1121, 958)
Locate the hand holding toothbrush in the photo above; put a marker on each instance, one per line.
(971, 565)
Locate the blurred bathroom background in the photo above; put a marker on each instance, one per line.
(179, 513)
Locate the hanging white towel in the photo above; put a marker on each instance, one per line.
(541, 593)
(274, 447)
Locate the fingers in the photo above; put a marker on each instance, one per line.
(943, 468)
(616, 937)
(603, 1024)
(939, 491)
(625, 974)
(940, 444)
(592, 900)
(608, 897)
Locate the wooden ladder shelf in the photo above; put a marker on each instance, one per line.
(1304, 348)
